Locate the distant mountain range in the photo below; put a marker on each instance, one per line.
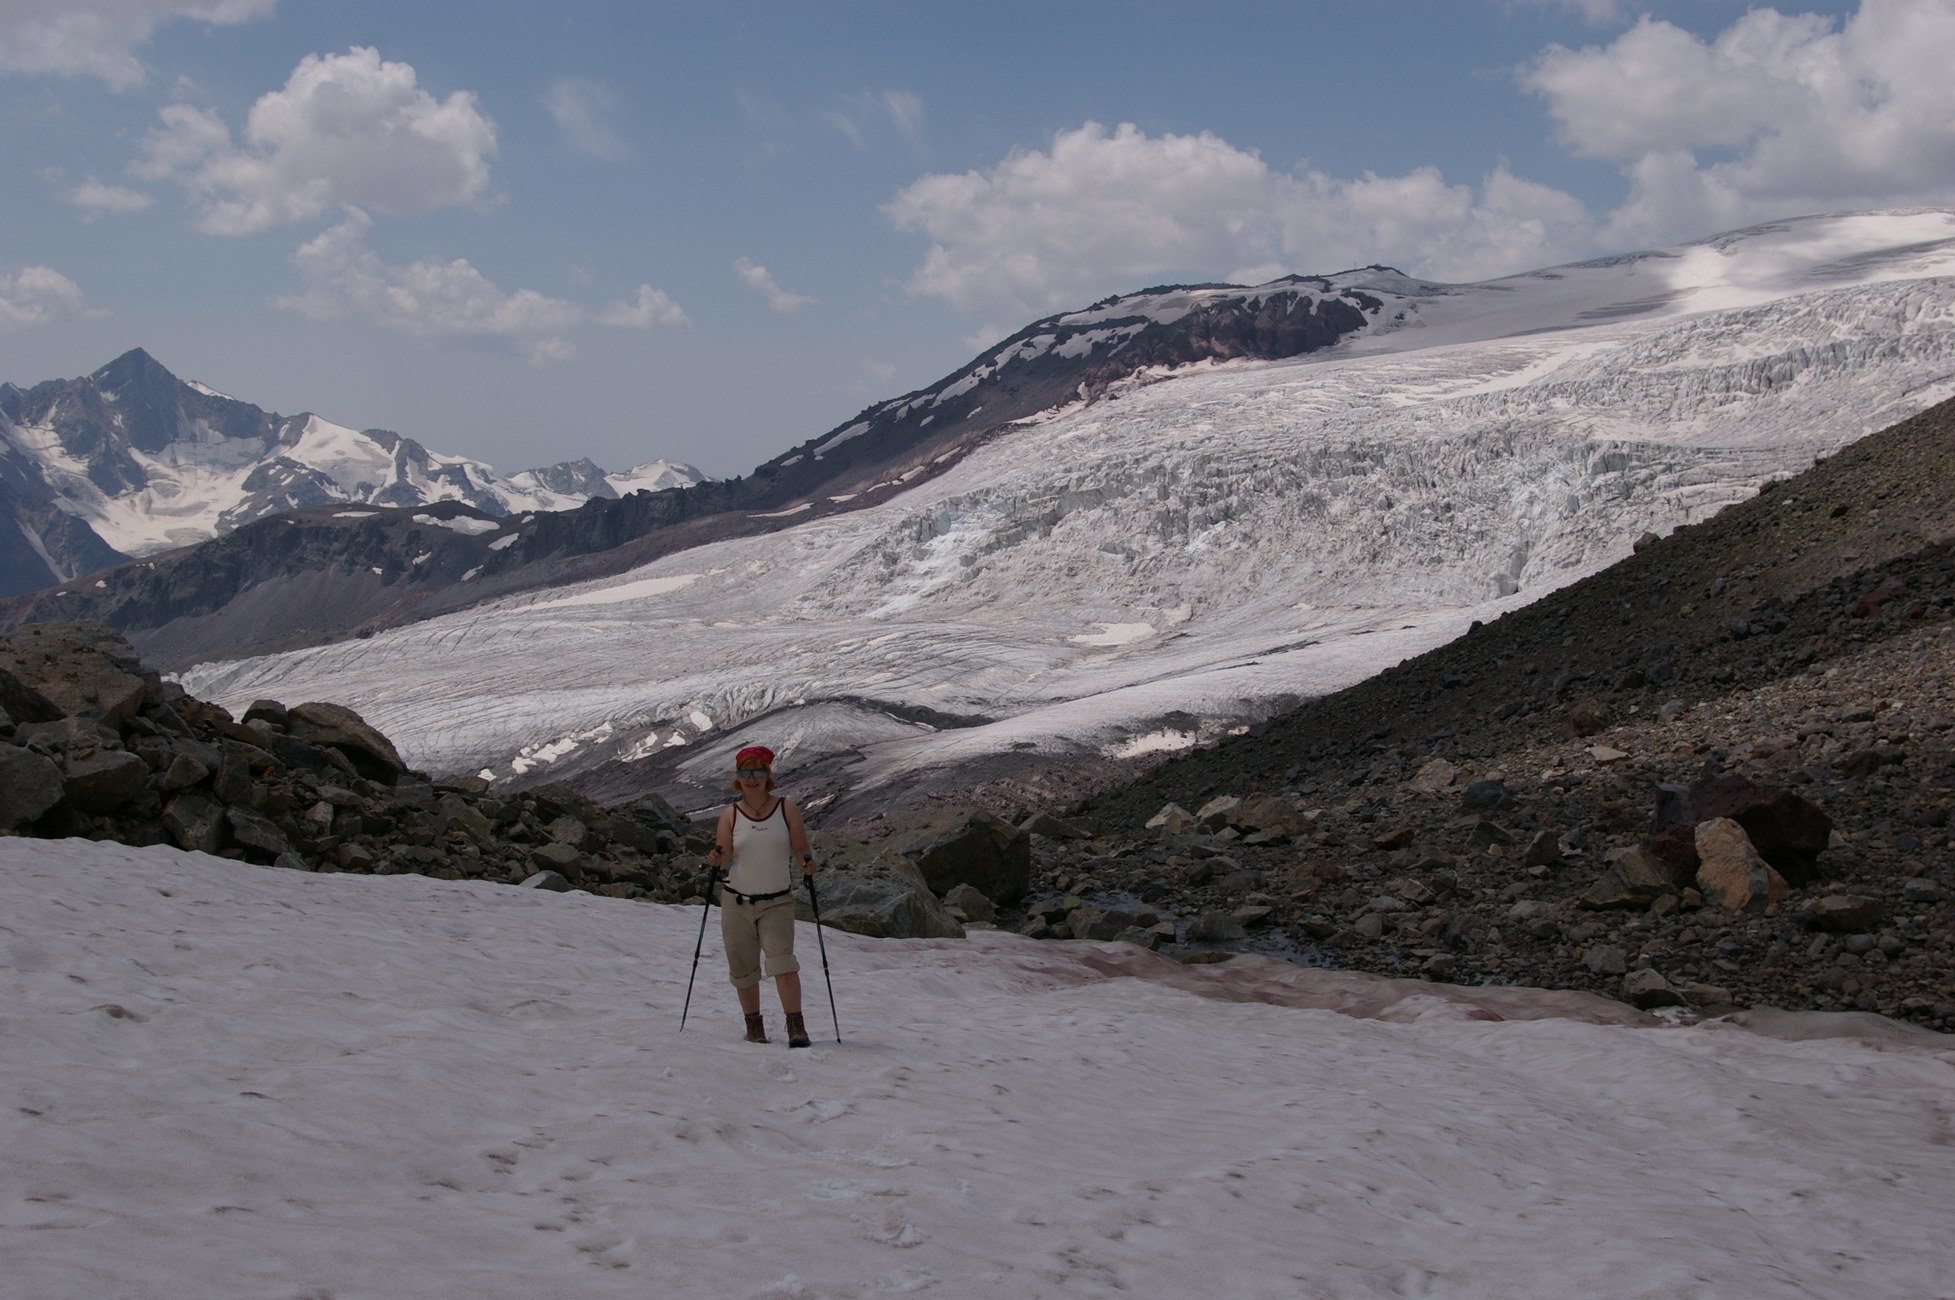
(130, 461)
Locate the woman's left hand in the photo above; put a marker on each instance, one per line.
(807, 866)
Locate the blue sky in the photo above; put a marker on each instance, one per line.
(529, 233)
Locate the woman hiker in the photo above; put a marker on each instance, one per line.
(760, 837)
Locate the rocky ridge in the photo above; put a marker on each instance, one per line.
(94, 745)
(1506, 808)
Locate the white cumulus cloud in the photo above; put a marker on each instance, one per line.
(96, 198)
(348, 129)
(583, 111)
(761, 281)
(344, 279)
(1104, 211)
(35, 294)
(99, 38)
(651, 307)
(1774, 116)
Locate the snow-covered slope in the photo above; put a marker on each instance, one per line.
(149, 462)
(1183, 554)
(226, 1081)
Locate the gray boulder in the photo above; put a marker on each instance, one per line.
(30, 785)
(103, 781)
(83, 670)
(880, 893)
(22, 703)
(337, 727)
(259, 836)
(195, 821)
(958, 847)
(974, 905)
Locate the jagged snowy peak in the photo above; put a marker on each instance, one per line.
(1141, 572)
(582, 480)
(143, 462)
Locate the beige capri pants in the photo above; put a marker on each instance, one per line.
(750, 929)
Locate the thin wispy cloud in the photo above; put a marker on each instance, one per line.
(343, 279)
(1597, 13)
(862, 114)
(757, 278)
(95, 198)
(584, 111)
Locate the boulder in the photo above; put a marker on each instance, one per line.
(22, 703)
(260, 836)
(373, 756)
(1731, 872)
(270, 711)
(1648, 990)
(1847, 913)
(1217, 812)
(1214, 926)
(1485, 796)
(83, 670)
(103, 781)
(1269, 812)
(957, 847)
(1633, 880)
(1544, 850)
(880, 893)
(30, 785)
(195, 821)
(1051, 827)
(1433, 776)
(547, 880)
(182, 773)
(974, 905)
(1788, 831)
(1173, 819)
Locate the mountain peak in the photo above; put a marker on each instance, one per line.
(133, 366)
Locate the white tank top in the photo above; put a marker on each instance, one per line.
(762, 857)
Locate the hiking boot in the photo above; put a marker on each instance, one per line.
(756, 1029)
(797, 1032)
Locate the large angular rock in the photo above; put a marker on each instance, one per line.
(104, 780)
(1847, 913)
(30, 785)
(373, 755)
(1633, 880)
(957, 847)
(1173, 819)
(22, 703)
(1731, 872)
(195, 821)
(260, 836)
(1788, 831)
(881, 894)
(83, 670)
(1270, 812)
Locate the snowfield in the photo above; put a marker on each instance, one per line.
(231, 1081)
(1176, 559)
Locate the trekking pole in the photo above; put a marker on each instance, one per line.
(814, 901)
(711, 876)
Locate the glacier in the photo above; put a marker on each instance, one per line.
(1197, 548)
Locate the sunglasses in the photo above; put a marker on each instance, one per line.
(749, 773)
